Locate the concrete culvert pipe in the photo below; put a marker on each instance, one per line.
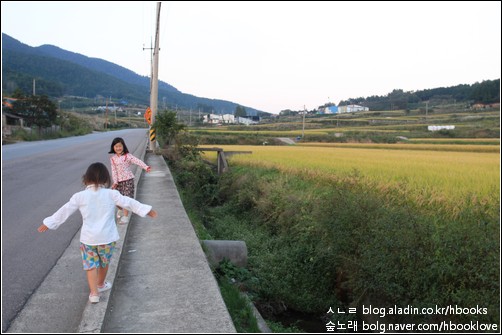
(235, 251)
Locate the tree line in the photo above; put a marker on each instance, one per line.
(486, 92)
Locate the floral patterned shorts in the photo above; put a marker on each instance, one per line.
(126, 188)
(94, 256)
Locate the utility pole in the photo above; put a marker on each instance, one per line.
(303, 127)
(155, 81)
(426, 110)
(106, 114)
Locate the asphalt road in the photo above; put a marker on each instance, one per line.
(38, 178)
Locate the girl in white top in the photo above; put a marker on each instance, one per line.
(123, 178)
(99, 232)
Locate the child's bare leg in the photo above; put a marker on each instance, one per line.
(92, 280)
(120, 212)
(101, 276)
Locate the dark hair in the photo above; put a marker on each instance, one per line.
(118, 140)
(96, 174)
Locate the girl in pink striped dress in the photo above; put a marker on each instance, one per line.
(123, 178)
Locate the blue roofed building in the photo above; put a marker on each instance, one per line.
(328, 110)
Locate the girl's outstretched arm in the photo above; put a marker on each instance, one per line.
(152, 213)
(42, 228)
(138, 162)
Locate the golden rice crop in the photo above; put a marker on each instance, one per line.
(494, 141)
(445, 175)
(409, 146)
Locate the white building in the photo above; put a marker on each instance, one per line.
(246, 121)
(436, 128)
(352, 108)
(227, 119)
(212, 119)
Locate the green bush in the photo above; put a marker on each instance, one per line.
(197, 179)
(347, 242)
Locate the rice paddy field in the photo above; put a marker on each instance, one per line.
(447, 173)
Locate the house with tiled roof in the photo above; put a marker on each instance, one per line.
(9, 120)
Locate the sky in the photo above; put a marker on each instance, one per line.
(273, 56)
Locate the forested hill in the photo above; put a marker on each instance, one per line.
(486, 92)
(59, 72)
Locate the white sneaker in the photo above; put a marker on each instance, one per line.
(94, 299)
(105, 287)
(124, 220)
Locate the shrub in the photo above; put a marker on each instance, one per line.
(350, 242)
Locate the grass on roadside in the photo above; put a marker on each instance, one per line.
(238, 306)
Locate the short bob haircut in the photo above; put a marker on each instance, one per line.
(118, 140)
(97, 174)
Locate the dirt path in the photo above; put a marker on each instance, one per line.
(286, 140)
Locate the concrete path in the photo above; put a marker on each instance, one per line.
(164, 283)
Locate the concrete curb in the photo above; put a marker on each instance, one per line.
(262, 324)
(164, 283)
(94, 314)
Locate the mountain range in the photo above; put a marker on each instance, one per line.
(60, 73)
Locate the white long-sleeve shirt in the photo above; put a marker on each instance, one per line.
(97, 206)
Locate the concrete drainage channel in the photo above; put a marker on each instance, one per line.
(237, 253)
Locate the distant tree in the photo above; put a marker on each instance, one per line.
(166, 126)
(18, 94)
(287, 112)
(487, 91)
(240, 111)
(36, 110)
(398, 99)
